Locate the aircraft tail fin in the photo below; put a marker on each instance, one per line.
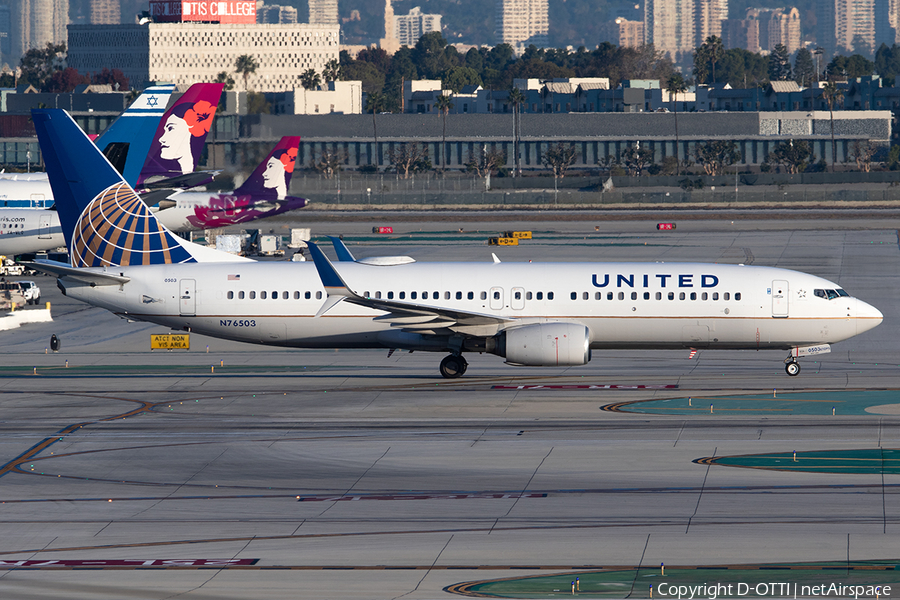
(177, 145)
(125, 143)
(272, 178)
(104, 221)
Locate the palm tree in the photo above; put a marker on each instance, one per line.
(443, 104)
(375, 103)
(832, 95)
(332, 71)
(245, 65)
(517, 99)
(310, 80)
(676, 85)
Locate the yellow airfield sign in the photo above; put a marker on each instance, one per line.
(170, 341)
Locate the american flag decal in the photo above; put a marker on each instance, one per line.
(234, 278)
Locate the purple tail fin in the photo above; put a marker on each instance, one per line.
(272, 178)
(179, 138)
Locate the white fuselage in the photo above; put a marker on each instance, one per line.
(624, 305)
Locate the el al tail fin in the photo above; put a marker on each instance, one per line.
(126, 142)
(272, 178)
(177, 144)
(104, 221)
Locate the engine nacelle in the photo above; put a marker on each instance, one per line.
(546, 345)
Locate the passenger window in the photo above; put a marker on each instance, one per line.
(715, 295)
(446, 295)
(574, 295)
(424, 295)
(621, 295)
(402, 295)
(297, 295)
(231, 295)
(527, 295)
(240, 295)
(253, 295)
(412, 295)
(671, 295)
(609, 295)
(377, 296)
(726, 296)
(659, 295)
(459, 295)
(390, 295)
(598, 296)
(540, 295)
(518, 295)
(693, 295)
(275, 295)
(318, 295)
(704, 296)
(262, 295)
(471, 295)
(681, 295)
(484, 295)
(646, 295)
(497, 296)
(737, 295)
(585, 296)
(307, 295)
(634, 295)
(549, 295)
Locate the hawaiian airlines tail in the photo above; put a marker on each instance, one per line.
(126, 142)
(272, 178)
(177, 145)
(104, 221)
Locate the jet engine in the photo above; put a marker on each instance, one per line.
(545, 345)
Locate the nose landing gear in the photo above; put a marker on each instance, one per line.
(792, 367)
(453, 366)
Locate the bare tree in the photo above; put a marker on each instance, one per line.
(559, 157)
(329, 162)
(486, 161)
(409, 157)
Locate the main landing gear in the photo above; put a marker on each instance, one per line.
(791, 367)
(453, 366)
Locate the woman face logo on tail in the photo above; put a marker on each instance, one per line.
(278, 170)
(186, 123)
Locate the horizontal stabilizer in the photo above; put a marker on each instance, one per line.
(86, 275)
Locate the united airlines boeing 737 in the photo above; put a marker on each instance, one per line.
(532, 314)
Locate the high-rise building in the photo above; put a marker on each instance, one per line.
(741, 33)
(708, 17)
(275, 13)
(669, 26)
(625, 33)
(845, 25)
(6, 32)
(323, 12)
(34, 23)
(389, 42)
(105, 12)
(521, 23)
(781, 26)
(409, 28)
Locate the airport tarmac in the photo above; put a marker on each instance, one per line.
(252, 472)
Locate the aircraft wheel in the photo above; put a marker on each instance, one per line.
(792, 368)
(453, 367)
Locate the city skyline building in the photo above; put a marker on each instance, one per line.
(275, 13)
(624, 33)
(521, 23)
(779, 26)
(845, 25)
(670, 26)
(741, 33)
(410, 27)
(104, 12)
(323, 12)
(35, 23)
(389, 42)
(708, 17)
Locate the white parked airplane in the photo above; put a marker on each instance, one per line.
(533, 314)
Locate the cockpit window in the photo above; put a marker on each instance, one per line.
(830, 294)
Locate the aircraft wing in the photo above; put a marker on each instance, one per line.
(409, 316)
(90, 276)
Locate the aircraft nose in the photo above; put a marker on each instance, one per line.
(867, 316)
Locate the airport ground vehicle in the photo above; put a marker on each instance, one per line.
(11, 293)
(32, 291)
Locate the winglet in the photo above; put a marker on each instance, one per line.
(496, 260)
(335, 287)
(343, 253)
